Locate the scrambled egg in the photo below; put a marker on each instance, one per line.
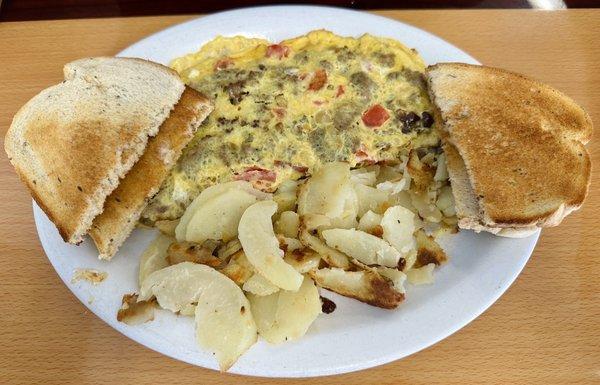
(283, 109)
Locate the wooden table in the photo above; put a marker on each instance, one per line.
(544, 330)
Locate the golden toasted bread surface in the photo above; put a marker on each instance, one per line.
(522, 143)
(72, 142)
(125, 204)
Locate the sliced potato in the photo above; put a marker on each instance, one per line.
(329, 192)
(428, 250)
(262, 247)
(227, 250)
(133, 312)
(224, 322)
(330, 255)
(219, 217)
(287, 315)
(370, 198)
(286, 196)
(396, 276)
(193, 252)
(398, 227)
(257, 284)
(445, 202)
(303, 260)
(288, 244)
(209, 193)
(394, 187)
(364, 285)
(421, 173)
(287, 224)
(314, 222)
(409, 260)
(363, 176)
(369, 221)
(389, 173)
(167, 227)
(403, 198)
(239, 270)
(364, 247)
(154, 257)
(421, 275)
(427, 210)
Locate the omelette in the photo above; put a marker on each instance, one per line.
(283, 109)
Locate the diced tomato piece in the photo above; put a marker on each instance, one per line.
(318, 81)
(340, 91)
(375, 116)
(278, 51)
(224, 63)
(319, 102)
(252, 174)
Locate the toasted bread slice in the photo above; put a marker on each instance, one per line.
(515, 148)
(72, 142)
(124, 206)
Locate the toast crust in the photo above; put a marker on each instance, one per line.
(72, 142)
(124, 206)
(521, 143)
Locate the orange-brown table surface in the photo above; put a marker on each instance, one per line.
(544, 330)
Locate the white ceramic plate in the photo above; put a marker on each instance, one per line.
(355, 336)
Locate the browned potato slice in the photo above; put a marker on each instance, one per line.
(330, 255)
(366, 248)
(364, 285)
(303, 260)
(239, 269)
(428, 250)
(421, 173)
(193, 252)
(308, 237)
(135, 313)
(287, 224)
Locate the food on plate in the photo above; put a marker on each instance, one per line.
(74, 142)
(286, 315)
(278, 259)
(324, 165)
(262, 247)
(154, 257)
(283, 109)
(364, 285)
(514, 147)
(134, 312)
(125, 204)
(224, 322)
(93, 276)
